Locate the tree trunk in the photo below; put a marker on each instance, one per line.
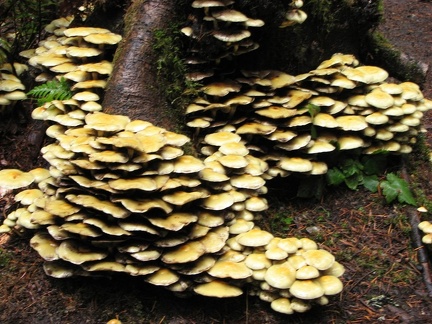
(133, 89)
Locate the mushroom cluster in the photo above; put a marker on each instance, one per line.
(77, 55)
(426, 228)
(294, 15)
(121, 196)
(223, 33)
(295, 123)
(292, 127)
(11, 87)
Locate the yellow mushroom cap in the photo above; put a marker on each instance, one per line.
(218, 289)
(307, 272)
(230, 15)
(220, 138)
(45, 245)
(84, 31)
(280, 276)
(255, 237)
(325, 120)
(257, 261)
(230, 269)
(320, 259)
(331, 285)
(162, 277)
(218, 201)
(282, 305)
(306, 289)
(188, 252)
(106, 122)
(174, 222)
(295, 164)
(350, 142)
(379, 99)
(78, 253)
(352, 123)
(103, 38)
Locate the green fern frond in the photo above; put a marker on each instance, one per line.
(51, 90)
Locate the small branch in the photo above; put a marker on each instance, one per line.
(422, 252)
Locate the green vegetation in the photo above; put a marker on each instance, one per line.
(396, 188)
(23, 21)
(5, 258)
(387, 56)
(354, 172)
(365, 171)
(170, 65)
(51, 90)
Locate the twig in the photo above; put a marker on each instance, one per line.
(417, 241)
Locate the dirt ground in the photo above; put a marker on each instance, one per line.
(383, 279)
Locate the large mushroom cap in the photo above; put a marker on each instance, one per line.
(320, 259)
(77, 253)
(14, 178)
(280, 276)
(84, 31)
(106, 122)
(306, 289)
(230, 269)
(254, 238)
(217, 288)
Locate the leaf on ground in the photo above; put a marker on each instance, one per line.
(395, 187)
(335, 176)
(371, 182)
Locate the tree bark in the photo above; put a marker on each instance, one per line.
(133, 89)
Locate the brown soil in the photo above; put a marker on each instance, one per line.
(383, 280)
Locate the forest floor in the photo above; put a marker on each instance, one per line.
(372, 239)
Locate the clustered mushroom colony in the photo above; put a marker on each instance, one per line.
(12, 89)
(121, 195)
(293, 122)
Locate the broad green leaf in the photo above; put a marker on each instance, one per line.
(371, 182)
(353, 181)
(351, 167)
(313, 110)
(335, 176)
(395, 187)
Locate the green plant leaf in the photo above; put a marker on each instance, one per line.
(354, 181)
(396, 188)
(351, 167)
(335, 176)
(371, 182)
(313, 109)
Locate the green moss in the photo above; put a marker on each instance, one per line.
(5, 258)
(391, 59)
(171, 70)
(170, 64)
